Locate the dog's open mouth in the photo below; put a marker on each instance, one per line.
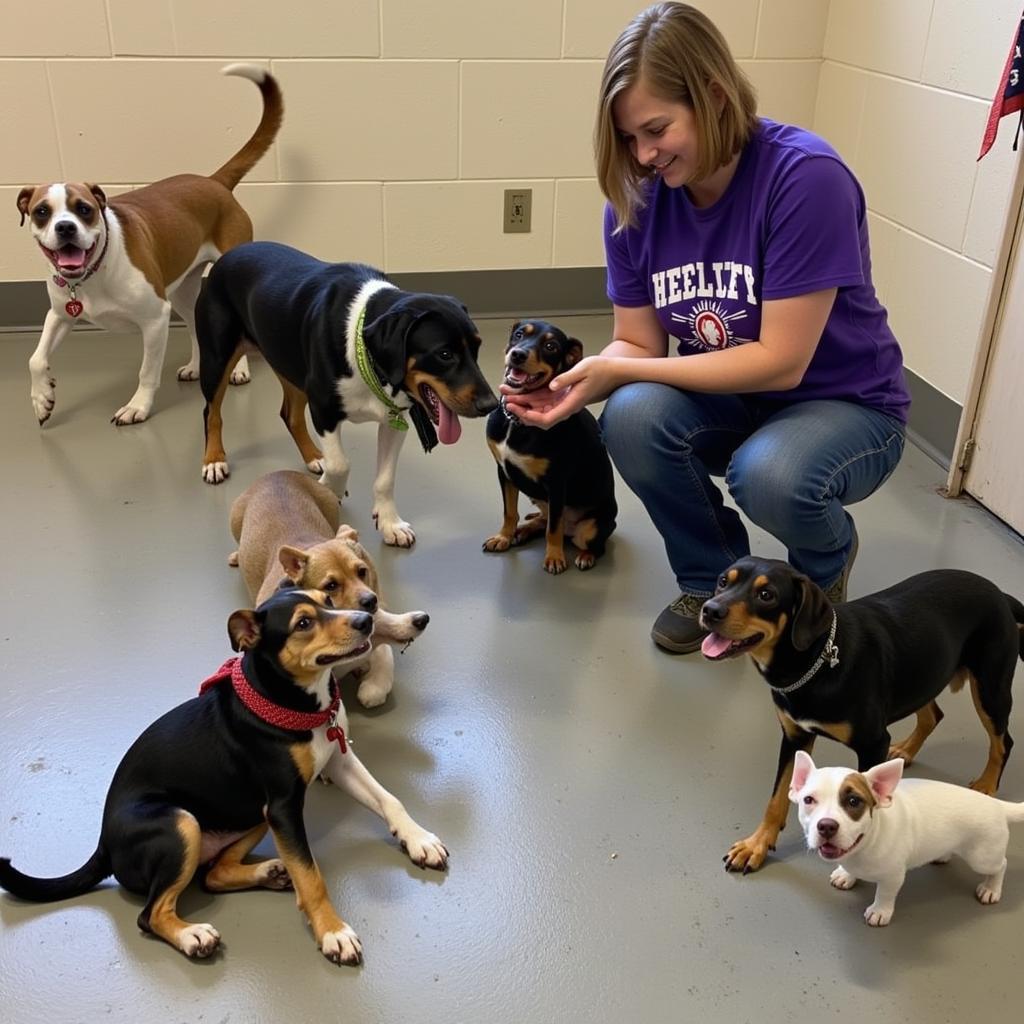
(717, 647)
(449, 429)
(521, 380)
(70, 260)
(355, 652)
(830, 851)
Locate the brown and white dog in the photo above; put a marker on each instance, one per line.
(135, 258)
(288, 531)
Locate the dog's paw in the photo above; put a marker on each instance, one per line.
(748, 854)
(233, 559)
(198, 940)
(499, 542)
(342, 947)
(987, 895)
(396, 532)
(555, 564)
(215, 472)
(240, 374)
(842, 879)
(372, 692)
(425, 850)
(898, 750)
(274, 875)
(586, 560)
(44, 399)
(315, 466)
(130, 414)
(188, 372)
(878, 917)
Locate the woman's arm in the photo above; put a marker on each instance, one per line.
(777, 361)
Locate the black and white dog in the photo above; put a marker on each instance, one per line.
(344, 339)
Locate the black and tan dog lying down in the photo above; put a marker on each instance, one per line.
(201, 786)
(848, 671)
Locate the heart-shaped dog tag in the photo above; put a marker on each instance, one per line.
(73, 307)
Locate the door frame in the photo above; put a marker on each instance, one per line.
(1012, 227)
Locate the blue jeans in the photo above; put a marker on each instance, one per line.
(790, 467)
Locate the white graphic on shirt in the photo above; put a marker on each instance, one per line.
(711, 325)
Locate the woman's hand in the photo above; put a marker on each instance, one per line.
(590, 380)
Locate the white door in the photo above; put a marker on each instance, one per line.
(995, 474)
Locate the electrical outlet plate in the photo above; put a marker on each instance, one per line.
(518, 210)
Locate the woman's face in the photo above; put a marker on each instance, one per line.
(661, 134)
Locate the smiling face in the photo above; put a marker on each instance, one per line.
(67, 222)
(661, 134)
(757, 603)
(536, 352)
(838, 807)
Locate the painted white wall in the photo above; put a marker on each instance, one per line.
(406, 120)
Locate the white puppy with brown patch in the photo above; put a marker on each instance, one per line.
(880, 832)
(133, 259)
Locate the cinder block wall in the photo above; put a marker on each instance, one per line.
(405, 122)
(904, 94)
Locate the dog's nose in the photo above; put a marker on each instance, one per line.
(714, 611)
(518, 356)
(420, 621)
(827, 828)
(65, 229)
(486, 404)
(368, 602)
(362, 623)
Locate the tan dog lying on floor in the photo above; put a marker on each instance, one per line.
(288, 528)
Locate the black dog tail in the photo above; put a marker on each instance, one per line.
(1018, 614)
(46, 890)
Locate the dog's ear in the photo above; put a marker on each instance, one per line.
(884, 778)
(98, 194)
(346, 532)
(293, 561)
(23, 200)
(573, 352)
(802, 768)
(243, 629)
(813, 613)
(388, 339)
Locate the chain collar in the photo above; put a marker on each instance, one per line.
(830, 653)
(510, 416)
(396, 415)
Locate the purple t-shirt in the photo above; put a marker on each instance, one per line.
(793, 220)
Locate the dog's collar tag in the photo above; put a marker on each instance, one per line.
(74, 307)
(396, 415)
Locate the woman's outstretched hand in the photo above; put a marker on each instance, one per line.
(590, 380)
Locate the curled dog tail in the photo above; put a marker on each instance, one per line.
(1018, 614)
(273, 113)
(46, 890)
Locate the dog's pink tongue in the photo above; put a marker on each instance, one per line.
(449, 429)
(715, 646)
(70, 258)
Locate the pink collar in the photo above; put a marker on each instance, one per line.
(274, 714)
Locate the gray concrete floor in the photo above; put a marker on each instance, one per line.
(586, 784)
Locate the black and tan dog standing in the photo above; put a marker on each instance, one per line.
(345, 339)
(848, 671)
(201, 786)
(564, 470)
(140, 255)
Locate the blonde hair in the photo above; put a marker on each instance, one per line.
(680, 56)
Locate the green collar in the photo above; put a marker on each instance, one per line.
(396, 415)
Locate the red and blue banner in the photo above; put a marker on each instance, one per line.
(1010, 94)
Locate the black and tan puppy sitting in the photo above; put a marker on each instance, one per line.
(201, 786)
(565, 470)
